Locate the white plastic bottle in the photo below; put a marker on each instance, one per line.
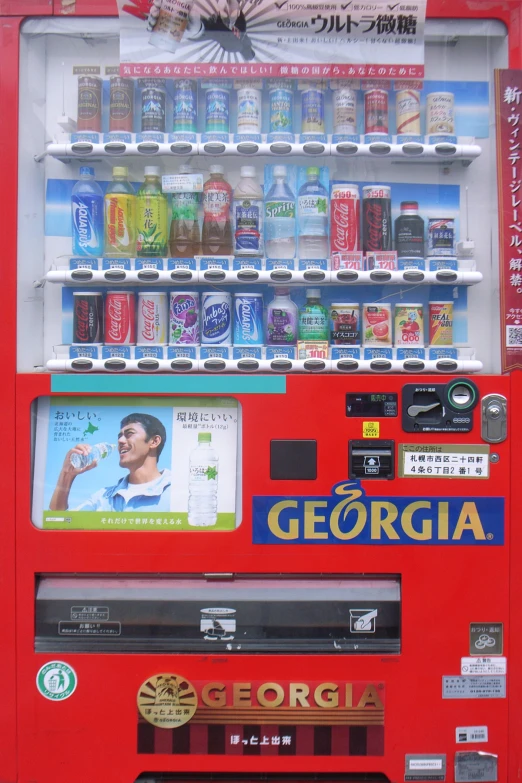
(98, 452)
(280, 218)
(203, 483)
(247, 211)
(313, 216)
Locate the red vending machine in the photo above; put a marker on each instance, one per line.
(267, 270)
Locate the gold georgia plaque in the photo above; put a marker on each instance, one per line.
(167, 700)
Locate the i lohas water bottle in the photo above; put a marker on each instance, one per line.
(87, 215)
(280, 218)
(203, 483)
(97, 453)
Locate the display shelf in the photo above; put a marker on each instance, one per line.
(310, 366)
(412, 152)
(345, 277)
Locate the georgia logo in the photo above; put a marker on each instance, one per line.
(167, 700)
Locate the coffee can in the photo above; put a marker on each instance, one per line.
(376, 111)
(153, 106)
(344, 111)
(87, 318)
(121, 106)
(152, 318)
(120, 318)
(440, 113)
(185, 106)
(89, 104)
(408, 112)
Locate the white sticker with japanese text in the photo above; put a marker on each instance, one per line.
(432, 460)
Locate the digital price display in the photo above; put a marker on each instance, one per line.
(370, 405)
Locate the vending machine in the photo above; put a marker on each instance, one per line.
(264, 365)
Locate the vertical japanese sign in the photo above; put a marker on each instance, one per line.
(267, 38)
(508, 92)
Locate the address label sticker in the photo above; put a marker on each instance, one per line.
(425, 766)
(475, 767)
(482, 687)
(465, 734)
(421, 460)
(481, 666)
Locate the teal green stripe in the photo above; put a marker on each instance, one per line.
(185, 384)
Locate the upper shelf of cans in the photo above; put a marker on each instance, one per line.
(299, 226)
(276, 117)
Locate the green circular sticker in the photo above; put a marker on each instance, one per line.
(56, 681)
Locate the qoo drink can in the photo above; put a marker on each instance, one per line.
(248, 110)
(312, 110)
(121, 106)
(376, 111)
(440, 113)
(87, 318)
(441, 323)
(409, 325)
(217, 110)
(376, 324)
(120, 318)
(185, 106)
(153, 106)
(377, 226)
(441, 237)
(281, 110)
(408, 112)
(152, 318)
(184, 318)
(345, 324)
(344, 111)
(248, 319)
(345, 219)
(89, 103)
(216, 318)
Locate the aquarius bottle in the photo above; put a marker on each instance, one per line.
(87, 215)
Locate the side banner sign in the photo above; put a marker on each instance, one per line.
(266, 38)
(508, 99)
(348, 516)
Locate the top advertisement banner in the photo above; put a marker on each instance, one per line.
(245, 38)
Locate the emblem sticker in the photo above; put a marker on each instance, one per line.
(56, 681)
(167, 700)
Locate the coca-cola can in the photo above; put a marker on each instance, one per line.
(120, 318)
(376, 111)
(377, 224)
(87, 318)
(345, 219)
(152, 318)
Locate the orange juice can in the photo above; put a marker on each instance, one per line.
(441, 323)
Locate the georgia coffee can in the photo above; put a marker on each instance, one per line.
(87, 318)
(120, 318)
(377, 225)
(121, 106)
(345, 219)
(376, 111)
(152, 318)
(153, 98)
(89, 103)
(408, 112)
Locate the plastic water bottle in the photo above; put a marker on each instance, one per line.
(280, 218)
(87, 215)
(98, 452)
(203, 483)
(313, 217)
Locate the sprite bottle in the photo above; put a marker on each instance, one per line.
(151, 216)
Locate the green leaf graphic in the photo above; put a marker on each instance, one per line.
(211, 473)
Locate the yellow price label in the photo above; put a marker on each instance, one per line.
(371, 429)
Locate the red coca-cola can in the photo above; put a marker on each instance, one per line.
(345, 219)
(376, 111)
(87, 318)
(377, 226)
(120, 318)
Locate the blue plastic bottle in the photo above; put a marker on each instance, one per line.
(87, 215)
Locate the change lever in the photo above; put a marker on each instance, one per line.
(414, 410)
